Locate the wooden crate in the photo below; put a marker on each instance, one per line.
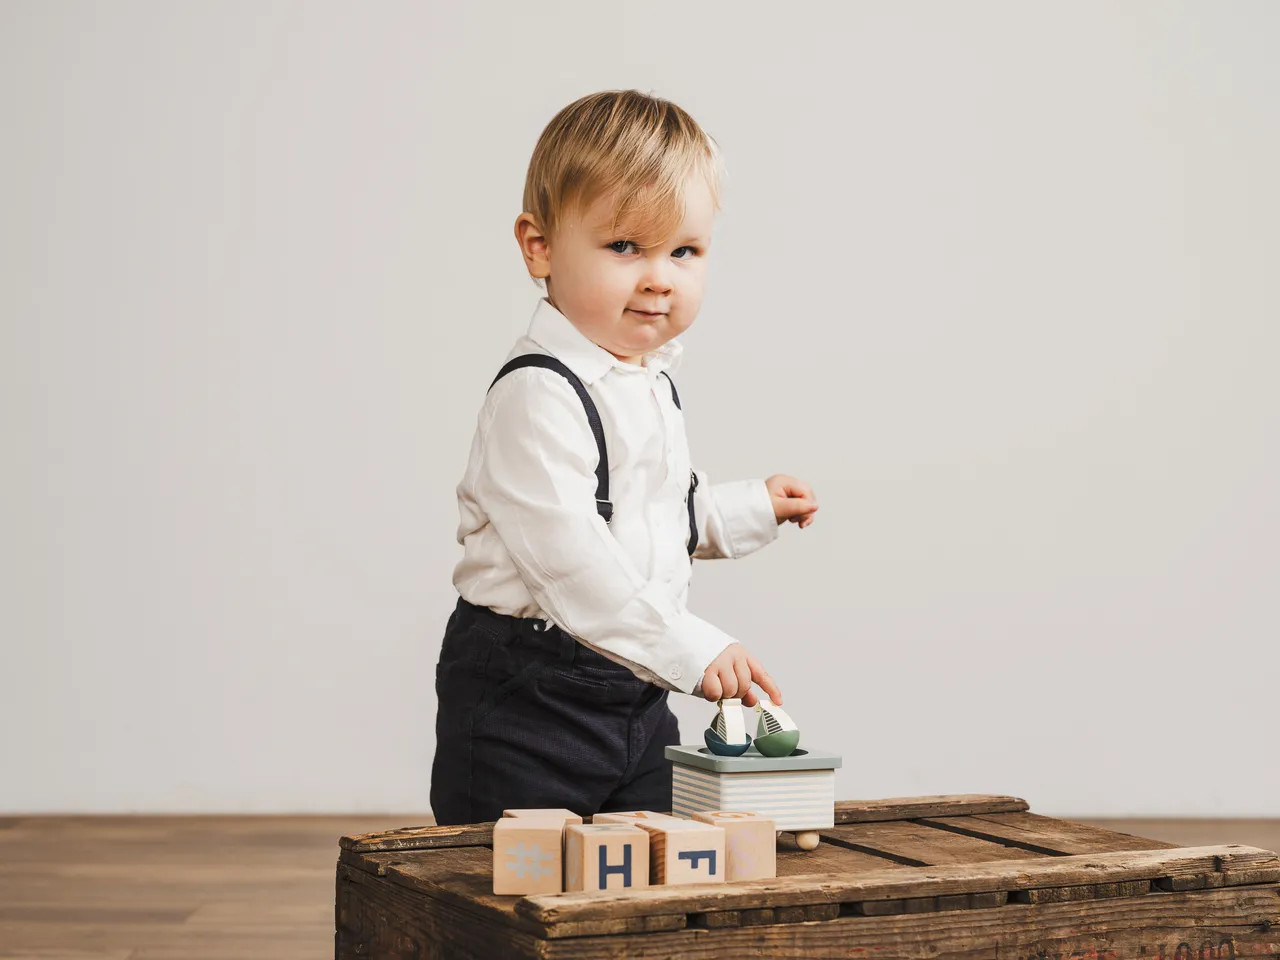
(963, 876)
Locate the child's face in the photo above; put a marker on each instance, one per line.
(626, 300)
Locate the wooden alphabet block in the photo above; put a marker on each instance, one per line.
(751, 848)
(684, 851)
(567, 816)
(605, 856)
(631, 816)
(528, 855)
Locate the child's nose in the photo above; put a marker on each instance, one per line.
(657, 277)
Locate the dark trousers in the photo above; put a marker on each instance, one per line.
(529, 717)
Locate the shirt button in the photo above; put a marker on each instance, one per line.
(675, 673)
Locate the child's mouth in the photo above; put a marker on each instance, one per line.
(647, 316)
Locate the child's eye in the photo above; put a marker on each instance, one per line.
(619, 246)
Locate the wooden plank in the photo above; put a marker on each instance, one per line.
(1087, 891)
(911, 808)
(1048, 835)
(420, 838)
(1237, 864)
(824, 858)
(376, 918)
(375, 863)
(1214, 925)
(463, 876)
(916, 844)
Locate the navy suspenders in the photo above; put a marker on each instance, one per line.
(603, 505)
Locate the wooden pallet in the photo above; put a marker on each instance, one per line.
(961, 876)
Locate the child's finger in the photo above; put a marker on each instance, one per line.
(793, 508)
(761, 676)
(743, 671)
(728, 681)
(711, 686)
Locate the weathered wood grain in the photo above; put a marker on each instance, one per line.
(1225, 923)
(824, 858)
(910, 808)
(420, 838)
(379, 919)
(1236, 864)
(1048, 835)
(430, 836)
(917, 844)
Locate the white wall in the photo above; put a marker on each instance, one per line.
(999, 279)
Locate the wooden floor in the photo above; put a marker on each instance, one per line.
(222, 888)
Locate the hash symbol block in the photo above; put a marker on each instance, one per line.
(558, 813)
(684, 851)
(605, 856)
(527, 856)
(751, 847)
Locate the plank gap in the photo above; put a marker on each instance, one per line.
(992, 838)
(872, 851)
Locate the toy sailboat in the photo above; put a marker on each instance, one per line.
(777, 734)
(727, 735)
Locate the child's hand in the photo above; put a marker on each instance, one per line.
(731, 675)
(792, 500)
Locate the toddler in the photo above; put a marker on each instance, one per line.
(581, 511)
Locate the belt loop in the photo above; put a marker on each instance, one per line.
(568, 648)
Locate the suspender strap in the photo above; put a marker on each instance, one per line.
(693, 477)
(693, 522)
(675, 397)
(603, 506)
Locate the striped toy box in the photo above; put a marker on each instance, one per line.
(796, 792)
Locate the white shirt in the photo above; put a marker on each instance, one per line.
(534, 543)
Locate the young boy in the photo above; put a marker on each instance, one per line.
(580, 509)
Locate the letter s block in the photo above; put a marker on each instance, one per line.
(527, 856)
(684, 851)
(606, 856)
(751, 843)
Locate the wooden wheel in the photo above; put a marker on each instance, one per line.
(807, 839)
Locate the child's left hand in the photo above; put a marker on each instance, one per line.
(792, 499)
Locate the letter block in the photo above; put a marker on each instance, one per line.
(631, 816)
(558, 813)
(684, 851)
(751, 843)
(605, 856)
(528, 856)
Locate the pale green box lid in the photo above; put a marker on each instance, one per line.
(696, 755)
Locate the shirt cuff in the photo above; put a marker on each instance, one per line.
(691, 643)
(746, 510)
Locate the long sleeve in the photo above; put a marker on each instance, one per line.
(535, 481)
(734, 518)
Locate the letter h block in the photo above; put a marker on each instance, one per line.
(605, 856)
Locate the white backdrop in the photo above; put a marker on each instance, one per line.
(999, 279)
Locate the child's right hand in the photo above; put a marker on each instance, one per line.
(731, 675)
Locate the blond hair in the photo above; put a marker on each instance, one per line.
(637, 148)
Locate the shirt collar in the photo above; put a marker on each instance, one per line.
(555, 333)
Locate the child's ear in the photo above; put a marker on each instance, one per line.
(533, 246)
